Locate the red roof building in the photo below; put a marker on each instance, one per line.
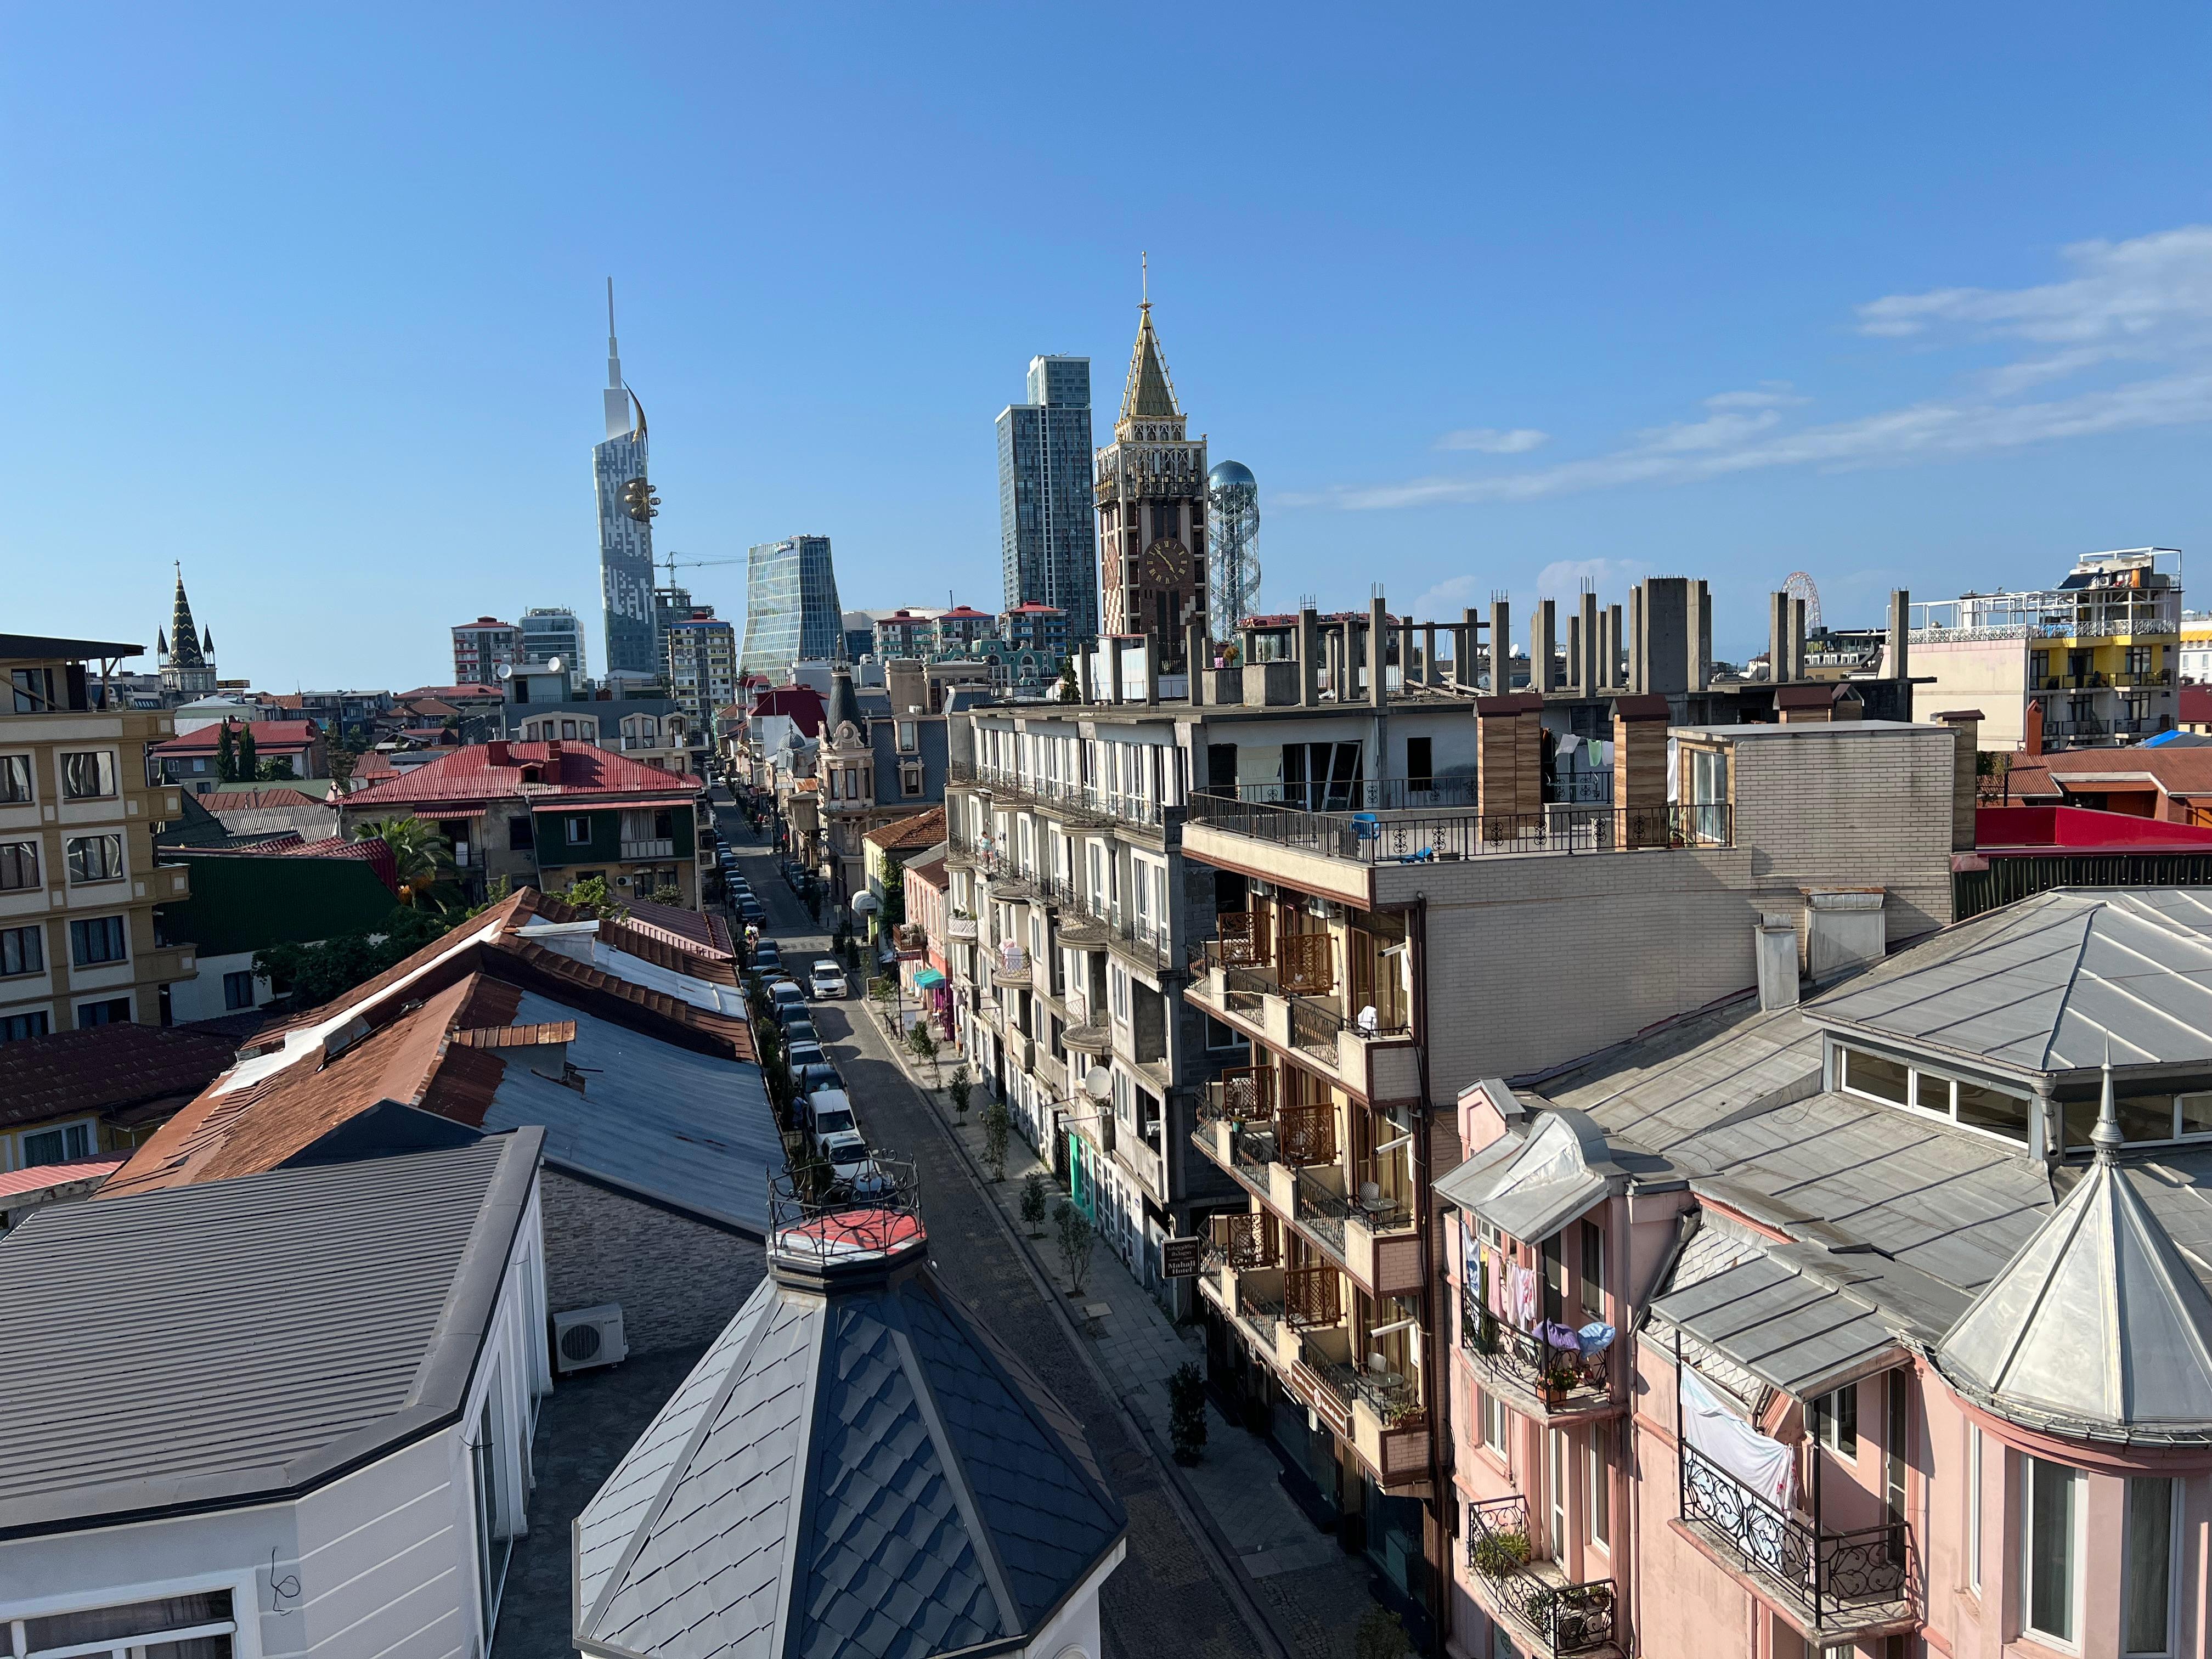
(803, 703)
(79, 1094)
(547, 815)
(189, 762)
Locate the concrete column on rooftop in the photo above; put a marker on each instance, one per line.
(1586, 658)
(1198, 654)
(1966, 726)
(1575, 682)
(1113, 669)
(1635, 686)
(1543, 643)
(1701, 636)
(1777, 638)
(1900, 641)
(1378, 653)
(1609, 679)
(1407, 678)
(1501, 647)
(1428, 676)
(1796, 639)
(1152, 644)
(1639, 770)
(1309, 658)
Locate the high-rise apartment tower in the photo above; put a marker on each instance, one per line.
(1047, 537)
(550, 631)
(625, 543)
(792, 613)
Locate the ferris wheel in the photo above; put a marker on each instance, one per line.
(1798, 585)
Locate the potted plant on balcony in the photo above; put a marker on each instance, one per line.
(1559, 1383)
(1499, 1555)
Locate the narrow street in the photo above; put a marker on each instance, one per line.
(1166, 1598)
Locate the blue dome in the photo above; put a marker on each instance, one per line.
(1230, 473)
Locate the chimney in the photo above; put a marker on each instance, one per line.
(1639, 769)
(1774, 942)
(498, 753)
(1309, 658)
(2031, 744)
(1900, 638)
(1966, 726)
(1378, 653)
(1509, 763)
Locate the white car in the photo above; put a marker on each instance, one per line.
(826, 979)
(845, 1153)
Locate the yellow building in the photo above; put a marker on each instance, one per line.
(78, 882)
(2094, 661)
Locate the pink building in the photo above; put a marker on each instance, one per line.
(1877, 1327)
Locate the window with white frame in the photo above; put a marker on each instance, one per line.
(1836, 1421)
(198, 1627)
(62, 1144)
(1494, 1421)
(1962, 1101)
(1117, 992)
(2050, 1540)
(577, 828)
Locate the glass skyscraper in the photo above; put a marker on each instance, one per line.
(792, 612)
(553, 631)
(625, 544)
(1048, 528)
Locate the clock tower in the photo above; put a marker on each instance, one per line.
(1151, 488)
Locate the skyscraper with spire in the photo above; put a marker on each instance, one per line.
(186, 651)
(1151, 498)
(633, 648)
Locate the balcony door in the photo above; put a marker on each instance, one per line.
(1556, 1466)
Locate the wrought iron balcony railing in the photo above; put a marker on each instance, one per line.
(1561, 1379)
(1563, 1617)
(1831, 1576)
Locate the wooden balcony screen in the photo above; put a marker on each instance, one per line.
(1306, 964)
(1248, 1093)
(1308, 1134)
(1311, 1297)
(1249, 1240)
(1243, 934)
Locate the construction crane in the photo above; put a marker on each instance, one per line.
(673, 565)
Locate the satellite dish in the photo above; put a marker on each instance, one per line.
(552, 664)
(506, 670)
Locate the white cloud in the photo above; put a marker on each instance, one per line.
(2146, 302)
(1563, 579)
(1489, 440)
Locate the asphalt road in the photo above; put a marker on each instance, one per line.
(1164, 1598)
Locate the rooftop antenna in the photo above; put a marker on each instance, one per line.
(1145, 274)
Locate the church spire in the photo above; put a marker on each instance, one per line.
(1150, 394)
(186, 652)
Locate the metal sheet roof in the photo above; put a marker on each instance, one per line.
(2046, 984)
(689, 1129)
(243, 1339)
(1786, 1327)
(858, 1473)
(1552, 1178)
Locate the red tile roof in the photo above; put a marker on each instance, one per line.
(484, 772)
(930, 875)
(249, 800)
(108, 1069)
(1032, 607)
(267, 737)
(964, 613)
(2172, 768)
(911, 834)
(695, 928)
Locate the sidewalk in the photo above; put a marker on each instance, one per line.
(1313, 1594)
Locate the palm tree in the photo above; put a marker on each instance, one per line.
(422, 857)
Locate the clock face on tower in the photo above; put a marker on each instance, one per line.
(1164, 564)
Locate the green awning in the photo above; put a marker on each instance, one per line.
(926, 977)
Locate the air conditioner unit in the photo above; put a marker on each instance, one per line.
(589, 1337)
(622, 881)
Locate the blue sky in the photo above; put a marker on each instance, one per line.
(1486, 297)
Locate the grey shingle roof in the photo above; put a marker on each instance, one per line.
(247, 1339)
(2043, 985)
(863, 1472)
(690, 1129)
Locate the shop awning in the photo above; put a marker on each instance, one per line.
(926, 977)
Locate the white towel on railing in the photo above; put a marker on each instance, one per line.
(1765, 1466)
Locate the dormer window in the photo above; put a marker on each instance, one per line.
(532, 774)
(1963, 1101)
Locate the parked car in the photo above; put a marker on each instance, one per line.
(806, 1054)
(826, 979)
(767, 957)
(749, 909)
(816, 1101)
(846, 1152)
(800, 1030)
(813, 1077)
(782, 993)
(789, 1014)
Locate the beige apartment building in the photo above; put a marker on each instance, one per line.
(1383, 961)
(79, 943)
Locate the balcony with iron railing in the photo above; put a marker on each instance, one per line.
(1838, 1585)
(1287, 996)
(1543, 1378)
(1066, 798)
(1550, 1612)
(1422, 838)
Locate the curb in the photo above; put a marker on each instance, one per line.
(1188, 1509)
